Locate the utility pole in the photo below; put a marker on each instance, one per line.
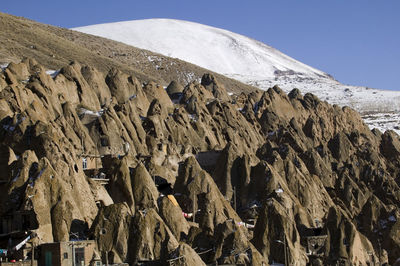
(284, 248)
(73, 253)
(76, 235)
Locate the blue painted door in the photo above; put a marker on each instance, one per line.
(48, 258)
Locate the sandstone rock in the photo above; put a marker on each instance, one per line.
(340, 147)
(143, 188)
(186, 256)
(112, 230)
(120, 187)
(194, 89)
(152, 239)
(20, 71)
(86, 94)
(298, 165)
(3, 82)
(212, 85)
(124, 88)
(173, 217)
(390, 145)
(98, 84)
(155, 91)
(215, 217)
(228, 174)
(275, 224)
(195, 182)
(174, 87)
(345, 241)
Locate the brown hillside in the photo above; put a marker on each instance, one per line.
(55, 47)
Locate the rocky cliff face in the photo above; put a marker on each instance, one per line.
(183, 177)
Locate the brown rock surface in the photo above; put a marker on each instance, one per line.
(300, 168)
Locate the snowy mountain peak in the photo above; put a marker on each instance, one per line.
(216, 49)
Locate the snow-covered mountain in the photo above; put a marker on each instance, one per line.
(212, 48)
(244, 59)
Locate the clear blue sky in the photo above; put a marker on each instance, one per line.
(356, 41)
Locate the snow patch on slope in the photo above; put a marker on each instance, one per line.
(383, 121)
(3, 66)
